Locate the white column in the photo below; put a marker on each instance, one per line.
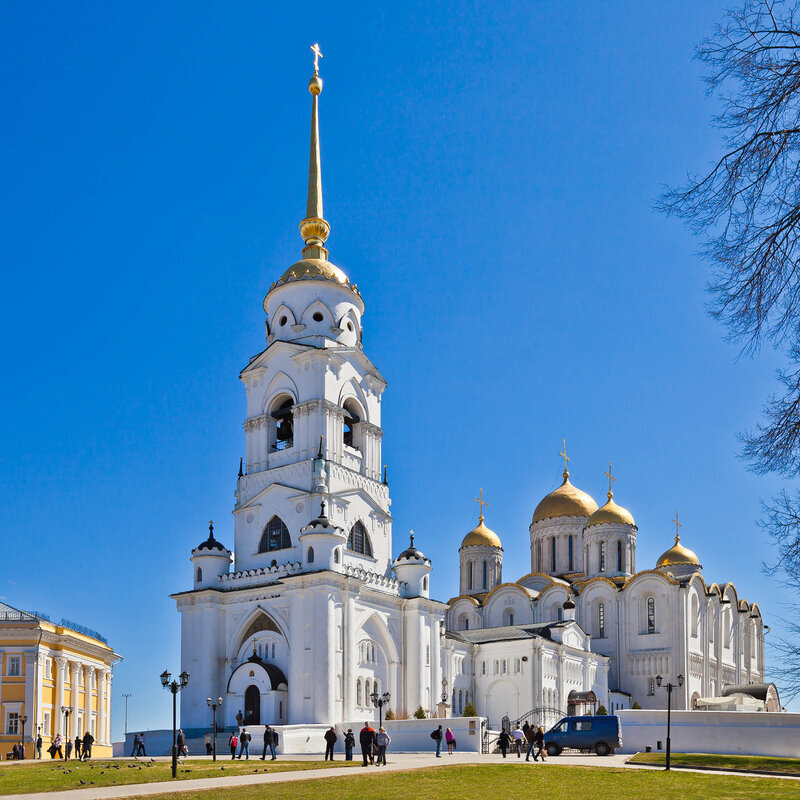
(75, 673)
(58, 717)
(330, 628)
(101, 706)
(87, 697)
(348, 656)
(40, 665)
(32, 698)
(436, 681)
(296, 658)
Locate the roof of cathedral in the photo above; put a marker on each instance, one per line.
(757, 690)
(611, 513)
(505, 633)
(566, 501)
(678, 554)
(211, 543)
(481, 537)
(411, 553)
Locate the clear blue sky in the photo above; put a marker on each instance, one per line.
(489, 172)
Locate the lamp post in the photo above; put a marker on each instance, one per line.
(214, 706)
(24, 720)
(65, 710)
(669, 687)
(379, 701)
(174, 687)
(126, 695)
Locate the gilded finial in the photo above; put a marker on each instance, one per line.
(319, 452)
(385, 479)
(411, 536)
(677, 528)
(481, 503)
(564, 455)
(210, 529)
(610, 478)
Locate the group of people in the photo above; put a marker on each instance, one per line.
(138, 745)
(528, 736)
(447, 737)
(240, 741)
(63, 749)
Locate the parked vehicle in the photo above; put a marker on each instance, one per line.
(602, 734)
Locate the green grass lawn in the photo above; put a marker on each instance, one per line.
(50, 776)
(791, 766)
(492, 782)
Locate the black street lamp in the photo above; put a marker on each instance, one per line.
(214, 706)
(670, 687)
(24, 720)
(379, 701)
(174, 687)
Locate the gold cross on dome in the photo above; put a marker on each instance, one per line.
(677, 526)
(610, 478)
(317, 56)
(211, 526)
(564, 455)
(481, 503)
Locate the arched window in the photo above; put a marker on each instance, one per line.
(571, 557)
(358, 540)
(425, 584)
(336, 555)
(484, 574)
(275, 536)
(601, 621)
(367, 691)
(463, 622)
(358, 692)
(310, 556)
(651, 615)
(508, 616)
(553, 554)
(284, 425)
(695, 614)
(199, 574)
(539, 564)
(620, 559)
(350, 428)
(602, 556)
(468, 567)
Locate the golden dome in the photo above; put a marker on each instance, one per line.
(314, 269)
(678, 554)
(481, 537)
(566, 501)
(611, 513)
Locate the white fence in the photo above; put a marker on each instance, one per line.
(749, 733)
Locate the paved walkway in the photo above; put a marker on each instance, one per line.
(398, 762)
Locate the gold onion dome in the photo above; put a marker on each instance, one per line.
(481, 537)
(566, 501)
(611, 513)
(678, 554)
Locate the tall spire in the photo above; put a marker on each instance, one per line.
(314, 229)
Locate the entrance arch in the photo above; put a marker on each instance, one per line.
(252, 706)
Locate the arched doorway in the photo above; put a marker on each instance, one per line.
(252, 706)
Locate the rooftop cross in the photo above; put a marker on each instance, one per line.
(610, 478)
(412, 538)
(317, 56)
(564, 455)
(211, 529)
(481, 503)
(677, 526)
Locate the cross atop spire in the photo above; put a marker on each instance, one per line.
(481, 503)
(678, 526)
(411, 537)
(564, 455)
(211, 529)
(317, 56)
(610, 479)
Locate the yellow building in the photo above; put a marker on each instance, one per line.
(56, 678)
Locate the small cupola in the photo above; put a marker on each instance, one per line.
(210, 560)
(680, 561)
(480, 557)
(568, 609)
(413, 569)
(322, 543)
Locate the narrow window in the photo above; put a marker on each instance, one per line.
(560, 614)
(427, 654)
(350, 427)
(14, 665)
(511, 618)
(358, 692)
(651, 615)
(553, 554)
(336, 555)
(469, 575)
(570, 554)
(425, 584)
(601, 621)
(199, 574)
(358, 540)
(602, 556)
(483, 668)
(695, 614)
(275, 536)
(284, 425)
(620, 560)
(539, 564)
(484, 574)
(280, 710)
(466, 624)
(310, 557)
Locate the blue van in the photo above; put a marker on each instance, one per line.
(601, 734)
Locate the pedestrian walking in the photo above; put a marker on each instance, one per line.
(135, 751)
(78, 747)
(530, 738)
(382, 739)
(366, 739)
(180, 742)
(244, 745)
(330, 740)
(209, 746)
(503, 741)
(39, 746)
(142, 751)
(519, 738)
(239, 718)
(233, 743)
(349, 744)
(450, 740)
(539, 738)
(269, 743)
(86, 746)
(67, 750)
(437, 736)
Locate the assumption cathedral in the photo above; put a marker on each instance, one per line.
(311, 614)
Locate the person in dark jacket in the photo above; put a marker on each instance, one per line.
(180, 742)
(269, 742)
(78, 746)
(39, 746)
(67, 750)
(135, 751)
(244, 745)
(86, 746)
(437, 736)
(330, 740)
(349, 744)
(503, 742)
(539, 739)
(530, 738)
(366, 739)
